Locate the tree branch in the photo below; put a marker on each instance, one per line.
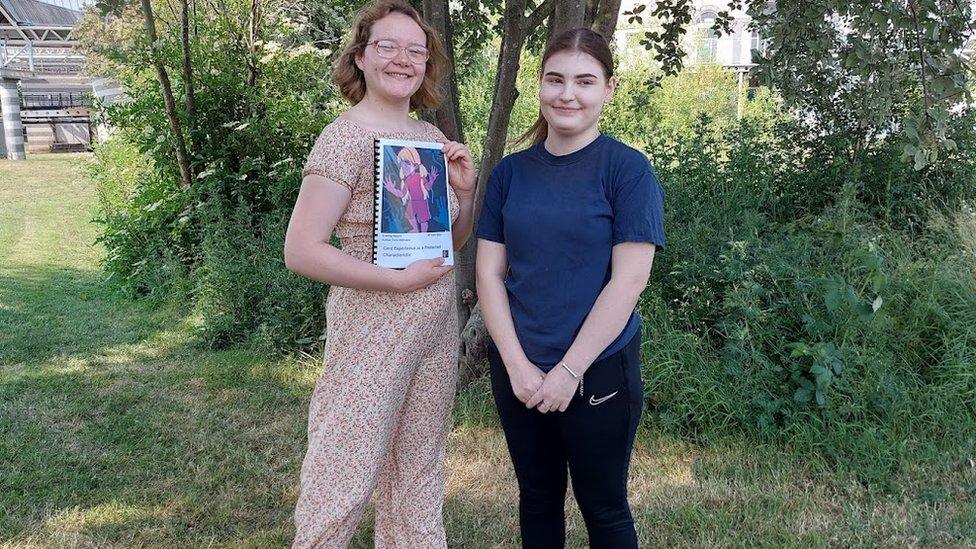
(254, 21)
(605, 18)
(538, 15)
(921, 57)
(191, 111)
(167, 88)
(963, 14)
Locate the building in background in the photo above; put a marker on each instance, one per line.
(702, 44)
(44, 96)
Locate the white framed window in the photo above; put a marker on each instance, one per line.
(757, 43)
(706, 39)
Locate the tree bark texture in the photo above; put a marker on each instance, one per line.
(167, 88)
(189, 100)
(605, 18)
(568, 14)
(254, 21)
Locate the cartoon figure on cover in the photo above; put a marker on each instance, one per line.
(414, 189)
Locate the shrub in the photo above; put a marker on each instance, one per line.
(221, 240)
(806, 317)
(245, 295)
(140, 218)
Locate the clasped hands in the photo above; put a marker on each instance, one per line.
(547, 392)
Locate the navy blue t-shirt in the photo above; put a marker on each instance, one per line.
(559, 217)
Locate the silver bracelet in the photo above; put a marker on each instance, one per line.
(572, 373)
(576, 376)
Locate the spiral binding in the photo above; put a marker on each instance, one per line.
(378, 184)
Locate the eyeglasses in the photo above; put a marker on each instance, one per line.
(388, 49)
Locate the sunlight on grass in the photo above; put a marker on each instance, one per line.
(110, 515)
(118, 428)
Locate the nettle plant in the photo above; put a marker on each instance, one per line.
(836, 309)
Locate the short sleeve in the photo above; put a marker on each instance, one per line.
(490, 223)
(638, 210)
(337, 157)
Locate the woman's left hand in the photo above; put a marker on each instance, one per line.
(556, 392)
(460, 169)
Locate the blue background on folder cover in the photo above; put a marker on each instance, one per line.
(394, 218)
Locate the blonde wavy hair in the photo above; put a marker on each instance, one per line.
(349, 78)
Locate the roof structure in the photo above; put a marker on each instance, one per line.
(35, 37)
(33, 12)
(38, 22)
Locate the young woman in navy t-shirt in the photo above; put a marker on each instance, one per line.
(567, 237)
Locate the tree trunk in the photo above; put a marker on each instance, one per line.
(191, 111)
(448, 115)
(515, 27)
(591, 8)
(605, 18)
(569, 14)
(174, 121)
(254, 17)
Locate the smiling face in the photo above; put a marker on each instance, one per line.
(573, 91)
(398, 78)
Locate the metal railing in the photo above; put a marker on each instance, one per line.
(32, 57)
(59, 100)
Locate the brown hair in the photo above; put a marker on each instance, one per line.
(349, 78)
(582, 40)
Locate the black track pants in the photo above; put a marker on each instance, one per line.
(593, 439)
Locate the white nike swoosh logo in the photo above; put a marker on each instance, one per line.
(595, 401)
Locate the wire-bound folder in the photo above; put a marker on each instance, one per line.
(411, 203)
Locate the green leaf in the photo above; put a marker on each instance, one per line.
(802, 395)
(821, 398)
(877, 304)
(832, 299)
(822, 375)
(911, 130)
(872, 260)
(799, 349)
(878, 281)
(919, 160)
(152, 207)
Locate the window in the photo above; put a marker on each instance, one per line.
(758, 44)
(706, 38)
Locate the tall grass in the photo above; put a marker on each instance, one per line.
(810, 293)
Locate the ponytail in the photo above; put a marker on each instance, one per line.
(536, 133)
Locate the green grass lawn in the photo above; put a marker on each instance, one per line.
(118, 429)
